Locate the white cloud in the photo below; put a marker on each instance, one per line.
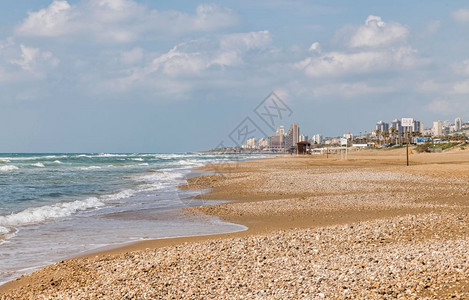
(34, 60)
(197, 59)
(234, 46)
(176, 63)
(120, 20)
(376, 33)
(315, 47)
(367, 52)
(461, 15)
(341, 63)
(50, 21)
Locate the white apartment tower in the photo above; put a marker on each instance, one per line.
(437, 129)
(317, 139)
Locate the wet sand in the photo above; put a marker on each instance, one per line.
(318, 227)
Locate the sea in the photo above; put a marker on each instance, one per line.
(56, 206)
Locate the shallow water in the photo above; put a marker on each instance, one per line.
(54, 206)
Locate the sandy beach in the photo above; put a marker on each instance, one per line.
(367, 227)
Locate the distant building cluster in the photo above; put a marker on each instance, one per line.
(438, 129)
(384, 133)
(279, 142)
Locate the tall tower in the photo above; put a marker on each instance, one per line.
(458, 123)
(437, 129)
(293, 136)
(280, 130)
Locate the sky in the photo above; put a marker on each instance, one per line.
(176, 76)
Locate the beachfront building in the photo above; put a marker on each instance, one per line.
(277, 142)
(382, 126)
(293, 136)
(417, 126)
(280, 131)
(437, 129)
(263, 143)
(317, 139)
(252, 143)
(458, 124)
(303, 138)
(398, 132)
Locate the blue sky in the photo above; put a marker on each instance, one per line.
(173, 76)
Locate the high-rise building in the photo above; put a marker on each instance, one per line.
(437, 129)
(277, 142)
(252, 143)
(263, 143)
(303, 138)
(293, 136)
(382, 126)
(317, 139)
(280, 130)
(417, 126)
(446, 124)
(457, 124)
(398, 130)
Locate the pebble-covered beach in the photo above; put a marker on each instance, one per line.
(409, 241)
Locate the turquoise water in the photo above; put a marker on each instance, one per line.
(53, 206)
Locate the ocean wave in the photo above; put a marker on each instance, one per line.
(144, 164)
(4, 230)
(119, 195)
(111, 155)
(8, 168)
(90, 168)
(40, 165)
(137, 159)
(4, 160)
(57, 161)
(35, 157)
(43, 213)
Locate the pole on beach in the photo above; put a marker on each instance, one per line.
(407, 148)
(407, 123)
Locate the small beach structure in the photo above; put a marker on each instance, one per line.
(303, 148)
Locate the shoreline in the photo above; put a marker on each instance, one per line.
(131, 244)
(250, 207)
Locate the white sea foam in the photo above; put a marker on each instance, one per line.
(144, 164)
(120, 195)
(36, 157)
(4, 160)
(8, 168)
(137, 159)
(111, 155)
(43, 213)
(4, 230)
(40, 165)
(90, 168)
(57, 161)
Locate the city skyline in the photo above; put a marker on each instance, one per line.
(285, 141)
